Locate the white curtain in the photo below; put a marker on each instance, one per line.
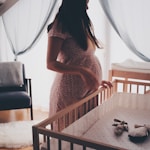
(25, 21)
(130, 19)
(4, 44)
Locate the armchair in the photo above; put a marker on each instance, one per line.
(15, 88)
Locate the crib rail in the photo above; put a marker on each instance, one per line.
(76, 111)
(131, 86)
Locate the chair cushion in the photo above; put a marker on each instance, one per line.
(11, 74)
(14, 100)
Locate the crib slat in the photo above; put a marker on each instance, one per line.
(84, 148)
(71, 146)
(35, 138)
(59, 144)
(144, 89)
(100, 101)
(130, 89)
(48, 143)
(137, 89)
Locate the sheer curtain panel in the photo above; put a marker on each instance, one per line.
(25, 21)
(130, 19)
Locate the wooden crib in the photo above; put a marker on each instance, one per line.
(71, 136)
(130, 70)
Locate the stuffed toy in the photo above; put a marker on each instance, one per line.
(139, 133)
(120, 126)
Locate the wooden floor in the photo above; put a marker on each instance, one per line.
(18, 115)
(27, 148)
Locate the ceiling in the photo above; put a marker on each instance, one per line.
(5, 5)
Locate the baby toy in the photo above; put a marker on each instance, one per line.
(120, 126)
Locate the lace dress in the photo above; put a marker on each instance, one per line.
(68, 89)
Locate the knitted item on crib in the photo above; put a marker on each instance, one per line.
(139, 133)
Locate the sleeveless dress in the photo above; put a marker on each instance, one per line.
(67, 88)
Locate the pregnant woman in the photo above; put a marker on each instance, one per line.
(70, 52)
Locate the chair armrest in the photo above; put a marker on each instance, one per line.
(28, 86)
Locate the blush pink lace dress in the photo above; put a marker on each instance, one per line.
(68, 89)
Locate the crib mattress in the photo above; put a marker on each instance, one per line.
(97, 124)
(132, 66)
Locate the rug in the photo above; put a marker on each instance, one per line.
(17, 134)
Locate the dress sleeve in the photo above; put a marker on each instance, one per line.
(56, 32)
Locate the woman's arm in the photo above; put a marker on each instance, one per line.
(53, 49)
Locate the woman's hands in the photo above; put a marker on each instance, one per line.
(106, 84)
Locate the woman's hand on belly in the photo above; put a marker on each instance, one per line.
(89, 78)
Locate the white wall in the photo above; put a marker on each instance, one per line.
(35, 60)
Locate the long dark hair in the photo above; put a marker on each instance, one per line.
(73, 18)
